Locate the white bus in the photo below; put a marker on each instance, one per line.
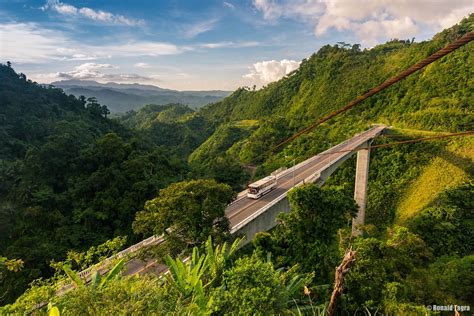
(261, 187)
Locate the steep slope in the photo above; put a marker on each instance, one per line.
(450, 168)
(439, 98)
(71, 178)
(30, 113)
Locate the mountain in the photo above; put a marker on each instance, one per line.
(71, 178)
(438, 98)
(121, 98)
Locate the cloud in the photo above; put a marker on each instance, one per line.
(228, 5)
(301, 9)
(91, 14)
(26, 42)
(199, 28)
(141, 65)
(86, 71)
(265, 72)
(230, 44)
(372, 21)
(31, 43)
(94, 71)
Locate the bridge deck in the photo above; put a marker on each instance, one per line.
(243, 208)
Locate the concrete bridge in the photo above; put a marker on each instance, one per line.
(248, 216)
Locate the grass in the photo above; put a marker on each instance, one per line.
(448, 169)
(246, 123)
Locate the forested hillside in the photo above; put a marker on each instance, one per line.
(71, 178)
(438, 98)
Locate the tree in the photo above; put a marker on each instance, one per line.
(10, 264)
(308, 234)
(105, 110)
(252, 287)
(187, 213)
(93, 106)
(381, 268)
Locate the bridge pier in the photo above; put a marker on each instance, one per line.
(360, 189)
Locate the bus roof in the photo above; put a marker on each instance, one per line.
(262, 181)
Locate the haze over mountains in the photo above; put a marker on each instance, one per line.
(121, 98)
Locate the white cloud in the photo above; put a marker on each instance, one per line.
(99, 72)
(86, 71)
(91, 14)
(373, 21)
(301, 9)
(25, 42)
(228, 5)
(371, 31)
(268, 71)
(230, 44)
(141, 65)
(31, 43)
(199, 28)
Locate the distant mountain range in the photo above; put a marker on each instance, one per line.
(121, 98)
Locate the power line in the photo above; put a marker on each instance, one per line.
(425, 62)
(461, 134)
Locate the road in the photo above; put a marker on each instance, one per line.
(245, 207)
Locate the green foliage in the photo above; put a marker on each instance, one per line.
(447, 225)
(308, 234)
(437, 98)
(207, 282)
(13, 265)
(251, 286)
(136, 296)
(379, 264)
(187, 213)
(174, 126)
(447, 280)
(78, 283)
(216, 158)
(95, 254)
(70, 178)
(146, 116)
(111, 274)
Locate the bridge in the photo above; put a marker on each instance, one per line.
(249, 216)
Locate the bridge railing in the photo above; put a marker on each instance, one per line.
(312, 178)
(103, 266)
(327, 151)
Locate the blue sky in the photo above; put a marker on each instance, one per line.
(200, 45)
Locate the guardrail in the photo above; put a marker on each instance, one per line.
(102, 266)
(312, 178)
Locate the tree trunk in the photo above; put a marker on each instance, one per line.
(341, 270)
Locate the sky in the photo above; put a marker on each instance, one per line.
(199, 44)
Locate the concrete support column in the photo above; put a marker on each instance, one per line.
(360, 190)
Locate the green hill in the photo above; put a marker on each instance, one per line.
(71, 178)
(438, 98)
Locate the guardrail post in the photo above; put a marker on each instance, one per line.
(360, 190)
